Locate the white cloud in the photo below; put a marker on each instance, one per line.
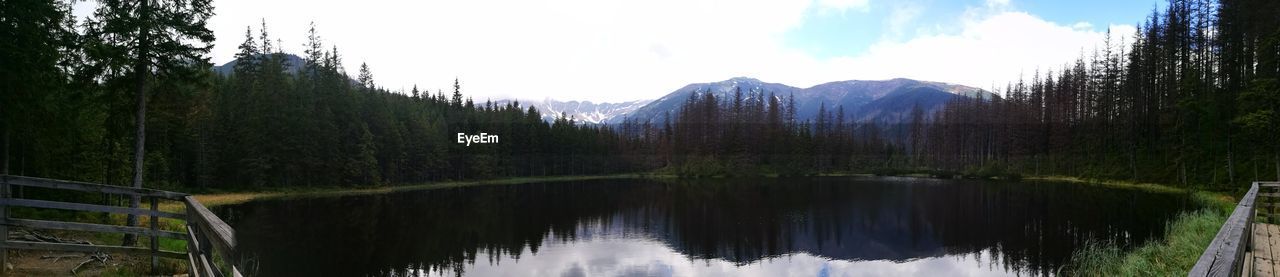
(844, 5)
(566, 49)
(615, 50)
(990, 51)
(901, 17)
(1082, 26)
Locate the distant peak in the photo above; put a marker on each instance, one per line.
(743, 79)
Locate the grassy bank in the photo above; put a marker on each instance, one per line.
(1186, 237)
(216, 198)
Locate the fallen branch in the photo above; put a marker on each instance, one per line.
(56, 258)
(99, 257)
(31, 235)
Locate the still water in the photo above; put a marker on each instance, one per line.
(822, 226)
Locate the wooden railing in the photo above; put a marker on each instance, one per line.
(205, 234)
(1226, 255)
(209, 235)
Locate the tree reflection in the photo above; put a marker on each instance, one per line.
(1027, 227)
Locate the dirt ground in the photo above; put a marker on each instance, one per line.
(53, 263)
(59, 263)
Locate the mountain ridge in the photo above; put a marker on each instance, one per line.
(859, 98)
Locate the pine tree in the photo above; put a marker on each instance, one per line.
(166, 38)
(457, 93)
(366, 77)
(37, 34)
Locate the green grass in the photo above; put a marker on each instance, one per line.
(212, 199)
(1186, 238)
(1152, 187)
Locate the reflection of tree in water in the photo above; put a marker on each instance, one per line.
(1029, 227)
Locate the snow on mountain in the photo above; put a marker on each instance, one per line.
(863, 100)
(582, 111)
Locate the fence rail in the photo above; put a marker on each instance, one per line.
(208, 237)
(1227, 254)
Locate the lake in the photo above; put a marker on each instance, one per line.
(815, 226)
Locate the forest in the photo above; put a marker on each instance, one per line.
(1191, 99)
(69, 113)
(128, 95)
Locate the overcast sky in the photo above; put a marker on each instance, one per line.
(618, 50)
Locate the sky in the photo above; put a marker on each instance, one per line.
(621, 50)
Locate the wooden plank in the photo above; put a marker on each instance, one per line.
(1223, 256)
(155, 240)
(89, 187)
(194, 245)
(91, 227)
(1264, 269)
(1261, 241)
(84, 207)
(209, 268)
(1249, 266)
(1274, 245)
(221, 236)
(4, 230)
(1261, 254)
(1270, 241)
(192, 268)
(89, 248)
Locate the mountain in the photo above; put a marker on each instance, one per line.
(293, 63)
(657, 110)
(896, 106)
(885, 101)
(582, 111)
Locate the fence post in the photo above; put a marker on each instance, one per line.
(155, 241)
(4, 225)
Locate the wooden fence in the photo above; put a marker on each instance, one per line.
(208, 237)
(1226, 255)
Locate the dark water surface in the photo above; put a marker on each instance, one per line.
(746, 227)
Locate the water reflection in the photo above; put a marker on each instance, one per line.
(835, 226)
(639, 257)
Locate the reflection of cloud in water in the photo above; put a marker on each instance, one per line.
(883, 226)
(603, 256)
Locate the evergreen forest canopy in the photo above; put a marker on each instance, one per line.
(1192, 98)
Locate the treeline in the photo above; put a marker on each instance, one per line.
(757, 132)
(1193, 98)
(69, 113)
(267, 126)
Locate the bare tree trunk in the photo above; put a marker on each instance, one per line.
(1231, 166)
(4, 161)
(1182, 173)
(139, 145)
(1133, 165)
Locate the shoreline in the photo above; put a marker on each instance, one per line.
(1187, 235)
(211, 199)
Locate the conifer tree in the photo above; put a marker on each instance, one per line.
(146, 39)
